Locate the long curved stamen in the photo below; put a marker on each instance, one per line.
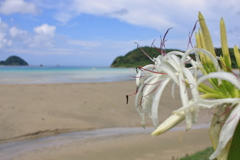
(191, 34)
(152, 71)
(144, 52)
(151, 91)
(154, 83)
(162, 44)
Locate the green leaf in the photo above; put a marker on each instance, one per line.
(234, 152)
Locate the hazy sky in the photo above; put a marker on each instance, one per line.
(94, 32)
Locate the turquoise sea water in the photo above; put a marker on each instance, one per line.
(62, 74)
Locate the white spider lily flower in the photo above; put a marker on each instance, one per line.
(224, 93)
(153, 79)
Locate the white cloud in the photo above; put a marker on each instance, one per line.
(17, 33)
(45, 30)
(19, 37)
(17, 6)
(43, 37)
(159, 14)
(63, 17)
(156, 14)
(4, 26)
(4, 42)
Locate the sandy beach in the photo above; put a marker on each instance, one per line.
(36, 110)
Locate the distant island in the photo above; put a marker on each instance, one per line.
(14, 61)
(137, 58)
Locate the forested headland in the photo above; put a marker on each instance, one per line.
(137, 58)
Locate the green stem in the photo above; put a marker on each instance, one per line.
(212, 95)
(209, 89)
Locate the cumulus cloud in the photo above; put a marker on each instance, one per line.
(19, 37)
(17, 6)
(17, 33)
(4, 41)
(43, 37)
(45, 30)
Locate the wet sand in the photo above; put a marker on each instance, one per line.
(169, 146)
(36, 110)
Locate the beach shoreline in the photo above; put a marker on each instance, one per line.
(28, 106)
(29, 111)
(63, 74)
(41, 103)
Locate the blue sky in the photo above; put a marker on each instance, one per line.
(95, 32)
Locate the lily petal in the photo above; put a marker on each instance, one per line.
(139, 74)
(169, 123)
(205, 103)
(170, 73)
(212, 58)
(148, 93)
(221, 75)
(156, 100)
(227, 130)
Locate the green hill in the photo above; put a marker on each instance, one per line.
(136, 57)
(14, 61)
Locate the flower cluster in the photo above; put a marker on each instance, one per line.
(224, 93)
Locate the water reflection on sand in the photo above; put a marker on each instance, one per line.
(14, 149)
